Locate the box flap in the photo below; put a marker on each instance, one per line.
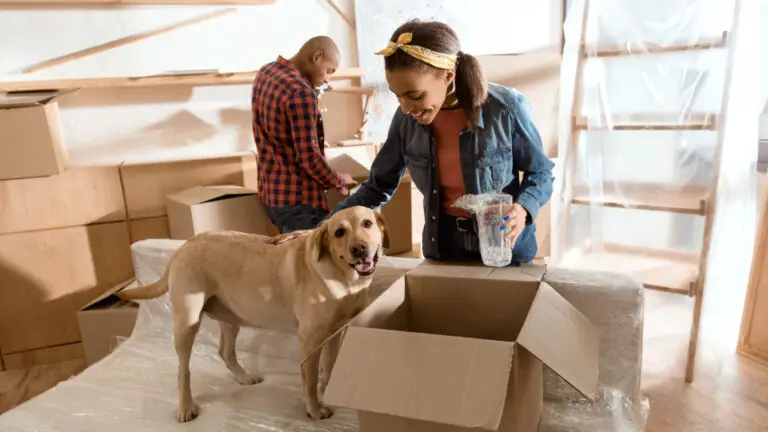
(563, 339)
(346, 164)
(526, 273)
(22, 100)
(202, 194)
(441, 379)
(117, 288)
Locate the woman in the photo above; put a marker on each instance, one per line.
(456, 133)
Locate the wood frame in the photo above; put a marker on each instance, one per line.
(757, 283)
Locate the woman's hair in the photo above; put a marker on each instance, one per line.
(471, 86)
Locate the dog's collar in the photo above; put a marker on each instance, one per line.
(276, 241)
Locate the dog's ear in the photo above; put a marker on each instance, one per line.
(384, 230)
(320, 240)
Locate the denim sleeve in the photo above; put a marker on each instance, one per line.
(530, 159)
(386, 172)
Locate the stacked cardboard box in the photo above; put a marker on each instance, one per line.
(65, 239)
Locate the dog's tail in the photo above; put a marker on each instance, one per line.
(146, 292)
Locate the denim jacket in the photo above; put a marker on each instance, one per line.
(505, 144)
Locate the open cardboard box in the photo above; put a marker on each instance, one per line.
(106, 321)
(397, 212)
(217, 208)
(31, 139)
(455, 348)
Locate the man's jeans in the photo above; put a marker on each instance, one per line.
(297, 217)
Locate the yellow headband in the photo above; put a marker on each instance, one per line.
(433, 58)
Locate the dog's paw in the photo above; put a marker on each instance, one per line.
(189, 413)
(248, 379)
(322, 412)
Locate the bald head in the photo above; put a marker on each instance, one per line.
(319, 43)
(317, 59)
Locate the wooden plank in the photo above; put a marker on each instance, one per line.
(136, 2)
(47, 276)
(341, 12)
(79, 196)
(147, 185)
(649, 121)
(127, 40)
(683, 200)
(201, 79)
(635, 48)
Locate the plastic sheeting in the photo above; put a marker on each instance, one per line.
(652, 104)
(134, 389)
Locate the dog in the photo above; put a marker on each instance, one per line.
(311, 283)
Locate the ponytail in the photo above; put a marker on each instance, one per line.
(471, 86)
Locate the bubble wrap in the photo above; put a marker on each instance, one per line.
(134, 389)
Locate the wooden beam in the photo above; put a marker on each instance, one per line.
(127, 40)
(341, 12)
(135, 2)
(202, 79)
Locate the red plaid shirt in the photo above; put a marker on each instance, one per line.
(288, 130)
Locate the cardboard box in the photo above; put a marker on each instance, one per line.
(105, 322)
(47, 276)
(397, 212)
(78, 196)
(31, 142)
(217, 208)
(452, 348)
(147, 185)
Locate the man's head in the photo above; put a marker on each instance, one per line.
(317, 60)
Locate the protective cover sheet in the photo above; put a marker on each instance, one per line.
(663, 140)
(134, 389)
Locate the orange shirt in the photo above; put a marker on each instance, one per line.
(446, 128)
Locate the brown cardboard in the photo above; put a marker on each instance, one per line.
(397, 212)
(150, 228)
(43, 356)
(78, 196)
(104, 322)
(47, 276)
(461, 348)
(147, 185)
(216, 208)
(31, 142)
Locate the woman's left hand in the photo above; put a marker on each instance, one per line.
(514, 221)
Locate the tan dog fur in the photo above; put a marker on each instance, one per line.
(305, 284)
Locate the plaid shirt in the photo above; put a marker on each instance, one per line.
(288, 130)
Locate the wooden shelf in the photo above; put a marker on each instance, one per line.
(647, 121)
(201, 79)
(661, 270)
(135, 2)
(685, 200)
(652, 48)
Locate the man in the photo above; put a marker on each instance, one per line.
(288, 130)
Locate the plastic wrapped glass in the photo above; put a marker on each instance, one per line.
(490, 211)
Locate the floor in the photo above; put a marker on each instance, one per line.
(729, 393)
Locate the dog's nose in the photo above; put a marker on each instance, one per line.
(360, 251)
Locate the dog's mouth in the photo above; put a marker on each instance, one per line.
(365, 266)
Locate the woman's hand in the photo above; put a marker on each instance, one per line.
(514, 222)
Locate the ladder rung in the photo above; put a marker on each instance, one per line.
(658, 269)
(633, 49)
(683, 200)
(635, 122)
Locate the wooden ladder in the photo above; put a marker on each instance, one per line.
(673, 271)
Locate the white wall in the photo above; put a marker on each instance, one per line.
(155, 123)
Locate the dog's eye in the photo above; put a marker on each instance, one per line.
(339, 233)
(367, 223)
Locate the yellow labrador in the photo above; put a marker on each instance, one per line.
(313, 282)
